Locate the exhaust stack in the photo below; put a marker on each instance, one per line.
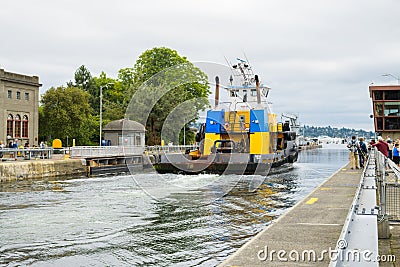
(216, 91)
(258, 90)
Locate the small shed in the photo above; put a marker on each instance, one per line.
(125, 132)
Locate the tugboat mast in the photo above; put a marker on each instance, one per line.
(244, 70)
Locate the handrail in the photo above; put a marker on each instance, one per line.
(27, 153)
(361, 218)
(172, 148)
(104, 151)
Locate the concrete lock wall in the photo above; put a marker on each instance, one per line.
(41, 169)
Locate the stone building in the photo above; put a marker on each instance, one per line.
(125, 132)
(19, 104)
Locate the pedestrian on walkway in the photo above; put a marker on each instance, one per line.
(353, 147)
(396, 154)
(382, 146)
(363, 151)
(391, 146)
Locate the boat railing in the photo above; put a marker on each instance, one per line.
(249, 102)
(237, 127)
(104, 151)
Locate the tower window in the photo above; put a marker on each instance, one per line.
(25, 126)
(10, 125)
(17, 126)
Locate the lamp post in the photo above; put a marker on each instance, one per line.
(184, 134)
(101, 109)
(390, 75)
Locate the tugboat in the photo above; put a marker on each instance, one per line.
(240, 136)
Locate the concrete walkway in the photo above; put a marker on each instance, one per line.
(315, 223)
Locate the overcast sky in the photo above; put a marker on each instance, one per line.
(319, 57)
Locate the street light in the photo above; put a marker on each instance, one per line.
(101, 108)
(390, 75)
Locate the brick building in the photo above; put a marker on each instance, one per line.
(19, 104)
(386, 108)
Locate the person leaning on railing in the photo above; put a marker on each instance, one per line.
(382, 146)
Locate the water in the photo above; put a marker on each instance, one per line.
(112, 221)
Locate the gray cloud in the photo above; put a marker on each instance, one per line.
(318, 56)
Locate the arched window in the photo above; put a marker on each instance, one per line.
(10, 125)
(17, 126)
(25, 126)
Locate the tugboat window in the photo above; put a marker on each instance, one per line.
(234, 93)
(265, 92)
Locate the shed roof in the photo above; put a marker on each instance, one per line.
(124, 125)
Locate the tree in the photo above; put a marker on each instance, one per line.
(160, 68)
(83, 78)
(65, 112)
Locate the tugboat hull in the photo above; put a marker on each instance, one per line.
(221, 164)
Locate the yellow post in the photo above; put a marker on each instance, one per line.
(162, 143)
(73, 142)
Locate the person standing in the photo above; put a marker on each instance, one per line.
(1, 148)
(363, 151)
(382, 146)
(390, 145)
(353, 147)
(396, 154)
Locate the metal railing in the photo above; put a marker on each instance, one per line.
(26, 153)
(376, 202)
(169, 149)
(104, 151)
(88, 151)
(360, 230)
(388, 174)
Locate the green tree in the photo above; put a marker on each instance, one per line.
(65, 112)
(165, 64)
(83, 78)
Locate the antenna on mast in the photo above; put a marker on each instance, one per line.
(230, 67)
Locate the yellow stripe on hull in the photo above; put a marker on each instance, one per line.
(209, 140)
(260, 143)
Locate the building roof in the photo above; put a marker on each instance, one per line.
(19, 78)
(124, 125)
